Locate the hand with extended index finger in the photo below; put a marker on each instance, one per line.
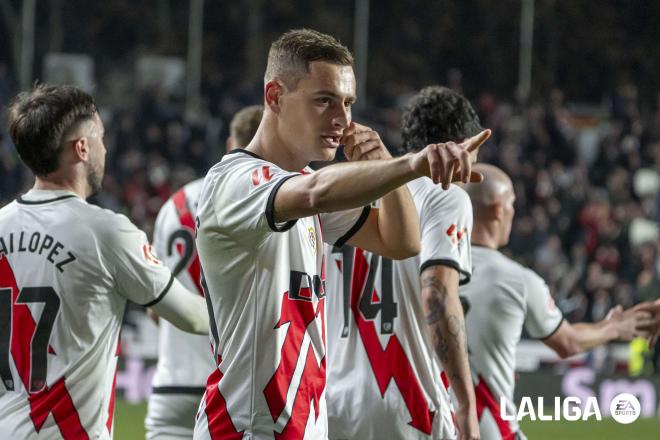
(450, 162)
(362, 143)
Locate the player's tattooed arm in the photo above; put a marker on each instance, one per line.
(446, 327)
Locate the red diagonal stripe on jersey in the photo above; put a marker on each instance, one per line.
(450, 230)
(111, 404)
(299, 313)
(220, 424)
(485, 399)
(22, 326)
(312, 384)
(391, 362)
(187, 221)
(57, 400)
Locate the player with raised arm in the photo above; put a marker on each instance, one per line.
(184, 360)
(396, 321)
(67, 269)
(262, 218)
(505, 296)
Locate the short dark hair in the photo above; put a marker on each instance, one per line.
(437, 114)
(289, 56)
(40, 118)
(244, 124)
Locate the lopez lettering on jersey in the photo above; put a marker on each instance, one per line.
(184, 359)
(266, 296)
(504, 296)
(384, 377)
(67, 269)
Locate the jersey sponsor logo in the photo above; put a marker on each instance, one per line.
(390, 362)
(261, 175)
(299, 311)
(28, 342)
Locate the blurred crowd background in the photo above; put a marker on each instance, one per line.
(582, 147)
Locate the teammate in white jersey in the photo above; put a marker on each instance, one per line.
(67, 269)
(505, 296)
(184, 360)
(262, 219)
(384, 373)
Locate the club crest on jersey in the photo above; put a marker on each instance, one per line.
(149, 255)
(455, 234)
(311, 234)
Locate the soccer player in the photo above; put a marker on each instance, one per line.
(261, 221)
(397, 324)
(184, 360)
(504, 297)
(67, 269)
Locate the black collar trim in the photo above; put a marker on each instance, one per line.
(21, 200)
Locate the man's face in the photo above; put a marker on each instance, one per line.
(96, 164)
(314, 115)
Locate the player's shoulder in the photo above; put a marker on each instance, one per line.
(528, 277)
(431, 196)
(105, 223)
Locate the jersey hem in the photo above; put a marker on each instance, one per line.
(464, 275)
(270, 208)
(178, 390)
(356, 227)
(162, 294)
(561, 321)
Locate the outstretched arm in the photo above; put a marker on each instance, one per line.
(186, 310)
(446, 326)
(571, 339)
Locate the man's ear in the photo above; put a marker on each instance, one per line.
(80, 149)
(497, 210)
(273, 91)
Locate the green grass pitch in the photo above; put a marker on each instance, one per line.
(129, 425)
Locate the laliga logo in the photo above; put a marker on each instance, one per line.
(625, 408)
(570, 409)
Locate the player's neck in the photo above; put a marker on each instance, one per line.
(55, 182)
(268, 145)
(484, 236)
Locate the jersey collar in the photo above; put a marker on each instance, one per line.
(40, 196)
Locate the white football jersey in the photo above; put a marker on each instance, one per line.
(265, 287)
(67, 269)
(504, 296)
(184, 359)
(384, 378)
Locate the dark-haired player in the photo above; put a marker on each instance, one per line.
(67, 269)
(399, 323)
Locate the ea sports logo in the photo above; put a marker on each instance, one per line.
(625, 408)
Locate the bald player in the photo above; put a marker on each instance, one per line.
(184, 360)
(504, 297)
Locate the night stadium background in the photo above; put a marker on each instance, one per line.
(570, 89)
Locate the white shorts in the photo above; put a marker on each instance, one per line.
(171, 416)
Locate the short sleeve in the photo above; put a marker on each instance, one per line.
(338, 227)
(139, 275)
(243, 197)
(446, 227)
(543, 317)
